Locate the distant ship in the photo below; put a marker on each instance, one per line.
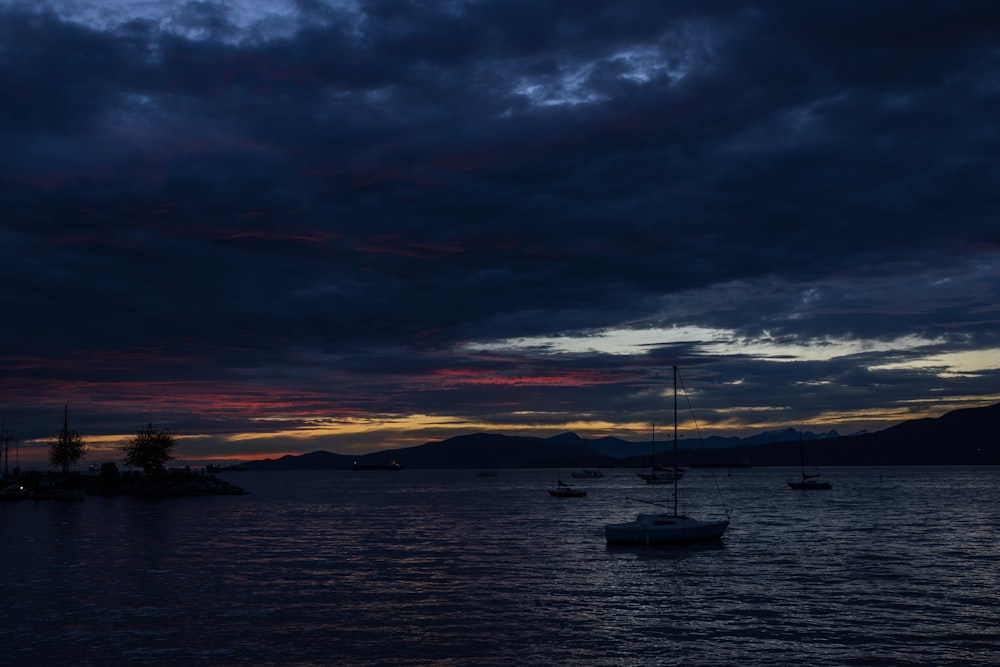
(362, 466)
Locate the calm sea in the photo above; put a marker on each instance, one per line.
(894, 566)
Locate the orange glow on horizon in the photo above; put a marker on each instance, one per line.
(356, 436)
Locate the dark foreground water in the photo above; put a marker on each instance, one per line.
(894, 566)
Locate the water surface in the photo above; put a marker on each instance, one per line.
(893, 566)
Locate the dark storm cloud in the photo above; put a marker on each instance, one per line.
(194, 198)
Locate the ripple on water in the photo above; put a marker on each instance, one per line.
(428, 567)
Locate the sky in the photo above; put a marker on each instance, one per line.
(278, 227)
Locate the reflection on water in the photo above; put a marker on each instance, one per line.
(442, 567)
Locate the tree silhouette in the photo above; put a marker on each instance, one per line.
(149, 449)
(67, 448)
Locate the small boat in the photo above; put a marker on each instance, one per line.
(394, 465)
(564, 490)
(486, 470)
(666, 527)
(658, 474)
(662, 476)
(808, 482)
(588, 473)
(13, 492)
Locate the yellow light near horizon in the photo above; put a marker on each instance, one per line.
(313, 428)
(951, 364)
(404, 430)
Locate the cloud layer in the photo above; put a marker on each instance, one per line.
(354, 225)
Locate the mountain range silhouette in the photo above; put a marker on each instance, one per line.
(969, 436)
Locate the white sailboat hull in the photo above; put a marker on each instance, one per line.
(664, 529)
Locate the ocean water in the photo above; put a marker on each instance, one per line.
(894, 566)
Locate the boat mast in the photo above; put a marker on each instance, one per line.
(652, 450)
(4, 440)
(675, 441)
(802, 456)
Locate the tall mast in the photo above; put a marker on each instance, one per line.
(675, 441)
(4, 440)
(5, 443)
(802, 456)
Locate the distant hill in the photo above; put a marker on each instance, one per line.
(311, 461)
(970, 436)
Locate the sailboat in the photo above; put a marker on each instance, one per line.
(808, 482)
(486, 471)
(656, 474)
(666, 527)
(564, 490)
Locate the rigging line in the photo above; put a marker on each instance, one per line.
(690, 407)
(648, 502)
(715, 478)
